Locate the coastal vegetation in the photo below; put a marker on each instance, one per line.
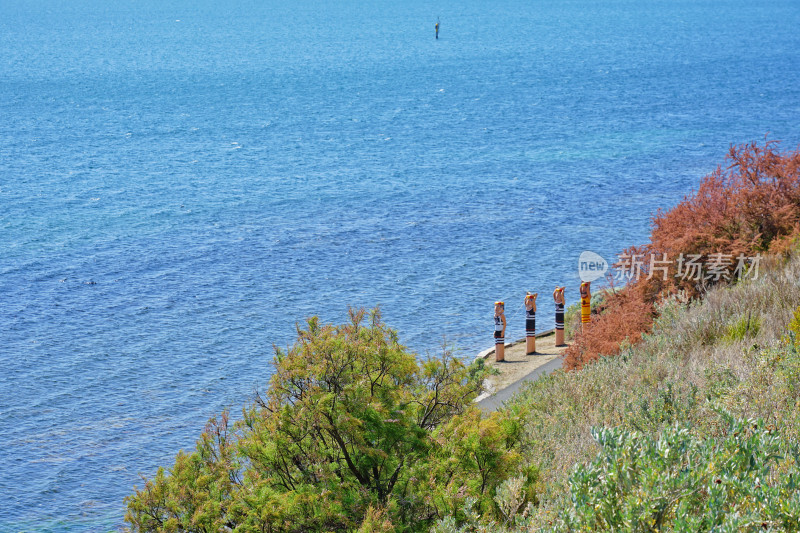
(696, 377)
(681, 410)
(673, 375)
(353, 433)
(742, 211)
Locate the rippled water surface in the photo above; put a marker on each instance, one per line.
(180, 182)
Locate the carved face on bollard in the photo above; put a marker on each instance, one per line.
(499, 308)
(586, 289)
(558, 295)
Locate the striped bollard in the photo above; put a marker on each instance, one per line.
(558, 297)
(499, 331)
(530, 323)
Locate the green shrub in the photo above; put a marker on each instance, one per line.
(572, 321)
(771, 390)
(721, 380)
(669, 405)
(353, 433)
(746, 480)
(746, 326)
(792, 336)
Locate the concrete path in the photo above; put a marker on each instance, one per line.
(496, 400)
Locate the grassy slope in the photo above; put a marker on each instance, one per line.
(722, 352)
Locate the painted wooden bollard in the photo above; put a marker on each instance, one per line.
(499, 331)
(586, 303)
(558, 297)
(530, 323)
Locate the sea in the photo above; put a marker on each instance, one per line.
(183, 182)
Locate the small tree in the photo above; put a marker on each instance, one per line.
(340, 437)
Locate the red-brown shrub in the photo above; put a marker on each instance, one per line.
(623, 315)
(751, 207)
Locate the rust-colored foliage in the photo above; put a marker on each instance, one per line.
(751, 207)
(624, 315)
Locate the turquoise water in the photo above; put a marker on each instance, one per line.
(180, 182)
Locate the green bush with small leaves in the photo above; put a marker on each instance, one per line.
(747, 479)
(744, 480)
(354, 433)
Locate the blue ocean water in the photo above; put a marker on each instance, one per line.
(180, 182)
